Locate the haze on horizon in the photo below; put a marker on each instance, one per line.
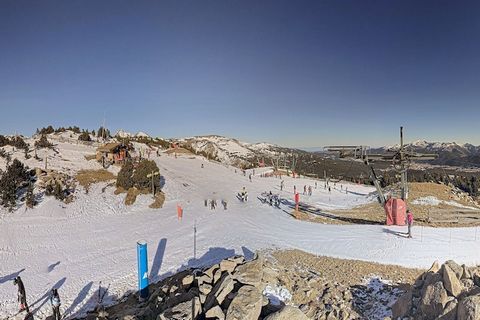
(294, 73)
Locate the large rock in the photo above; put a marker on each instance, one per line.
(433, 301)
(451, 281)
(250, 273)
(435, 267)
(469, 308)
(466, 273)
(228, 266)
(211, 271)
(450, 311)
(187, 280)
(188, 310)
(287, 313)
(222, 288)
(402, 306)
(246, 305)
(455, 268)
(215, 313)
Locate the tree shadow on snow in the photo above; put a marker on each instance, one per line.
(52, 266)
(158, 260)
(11, 276)
(46, 296)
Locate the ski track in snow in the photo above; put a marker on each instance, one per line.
(74, 247)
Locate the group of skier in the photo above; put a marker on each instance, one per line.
(213, 204)
(22, 299)
(272, 199)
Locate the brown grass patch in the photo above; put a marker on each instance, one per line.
(87, 177)
(178, 151)
(159, 200)
(119, 190)
(131, 196)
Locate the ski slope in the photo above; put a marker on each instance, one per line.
(75, 247)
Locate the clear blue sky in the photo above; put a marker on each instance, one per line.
(296, 73)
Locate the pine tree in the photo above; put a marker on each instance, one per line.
(30, 197)
(125, 176)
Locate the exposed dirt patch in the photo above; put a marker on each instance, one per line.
(346, 272)
(87, 177)
(119, 190)
(179, 151)
(90, 157)
(132, 194)
(159, 200)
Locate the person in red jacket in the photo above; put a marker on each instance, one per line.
(409, 222)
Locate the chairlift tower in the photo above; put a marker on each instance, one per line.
(399, 157)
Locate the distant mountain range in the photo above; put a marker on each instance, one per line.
(232, 151)
(449, 153)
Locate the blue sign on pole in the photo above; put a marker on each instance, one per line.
(142, 261)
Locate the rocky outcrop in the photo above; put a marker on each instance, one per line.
(246, 305)
(287, 313)
(230, 290)
(444, 292)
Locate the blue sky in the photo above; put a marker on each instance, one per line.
(296, 73)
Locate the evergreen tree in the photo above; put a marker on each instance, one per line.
(144, 168)
(43, 142)
(30, 197)
(84, 136)
(125, 176)
(12, 179)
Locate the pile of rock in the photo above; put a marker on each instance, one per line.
(231, 289)
(443, 292)
(50, 178)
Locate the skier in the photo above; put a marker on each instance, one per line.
(270, 197)
(202, 165)
(329, 190)
(224, 202)
(309, 190)
(206, 203)
(281, 185)
(21, 296)
(346, 190)
(55, 302)
(409, 222)
(305, 189)
(250, 177)
(214, 204)
(315, 184)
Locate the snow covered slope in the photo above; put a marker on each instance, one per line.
(74, 247)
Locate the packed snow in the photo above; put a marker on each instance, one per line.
(277, 294)
(75, 247)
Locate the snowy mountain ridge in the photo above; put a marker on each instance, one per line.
(230, 150)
